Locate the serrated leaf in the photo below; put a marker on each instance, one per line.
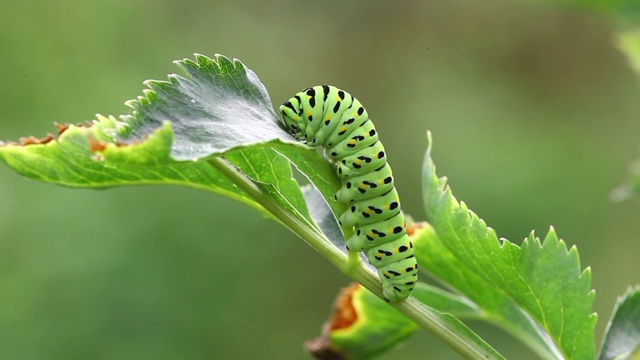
(622, 336)
(69, 161)
(493, 304)
(222, 105)
(543, 278)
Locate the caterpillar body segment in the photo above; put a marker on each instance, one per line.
(333, 119)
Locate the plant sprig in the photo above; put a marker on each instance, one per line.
(216, 130)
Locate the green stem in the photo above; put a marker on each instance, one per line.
(424, 316)
(298, 225)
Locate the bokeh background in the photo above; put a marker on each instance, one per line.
(535, 118)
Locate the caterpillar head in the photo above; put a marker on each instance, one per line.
(292, 120)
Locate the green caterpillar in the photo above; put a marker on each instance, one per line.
(329, 117)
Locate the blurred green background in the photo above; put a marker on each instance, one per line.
(534, 115)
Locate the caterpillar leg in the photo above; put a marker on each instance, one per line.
(354, 261)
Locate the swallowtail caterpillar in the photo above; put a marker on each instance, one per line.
(329, 117)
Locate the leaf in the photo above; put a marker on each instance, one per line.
(223, 105)
(322, 215)
(542, 277)
(69, 161)
(622, 336)
(493, 305)
(223, 108)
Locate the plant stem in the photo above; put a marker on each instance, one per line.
(436, 323)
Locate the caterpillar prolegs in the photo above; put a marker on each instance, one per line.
(329, 117)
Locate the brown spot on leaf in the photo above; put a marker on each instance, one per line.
(32, 140)
(86, 124)
(343, 312)
(344, 315)
(61, 127)
(96, 145)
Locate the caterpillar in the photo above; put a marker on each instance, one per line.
(332, 118)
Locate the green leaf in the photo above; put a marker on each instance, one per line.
(69, 161)
(492, 304)
(622, 336)
(221, 106)
(323, 216)
(446, 302)
(541, 277)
